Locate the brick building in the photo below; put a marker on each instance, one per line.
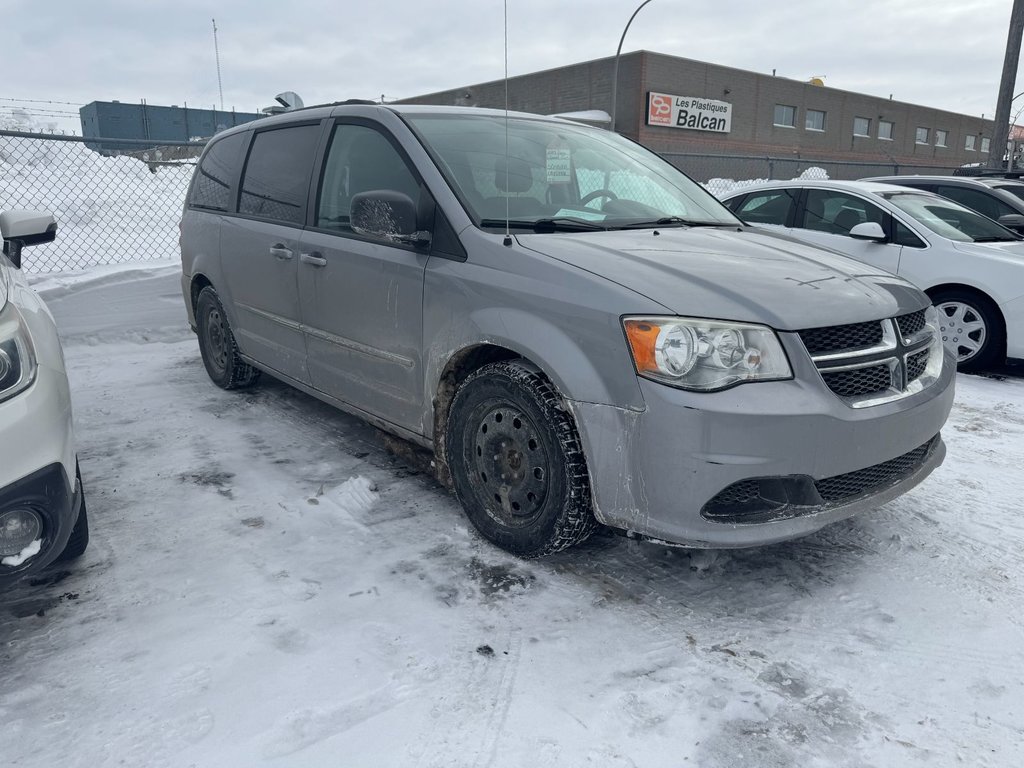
(679, 106)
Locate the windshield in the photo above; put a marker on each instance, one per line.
(946, 218)
(1017, 190)
(561, 175)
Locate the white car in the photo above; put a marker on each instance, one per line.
(42, 507)
(970, 266)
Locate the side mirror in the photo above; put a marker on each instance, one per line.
(1014, 221)
(388, 214)
(868, 230)
(23, 228)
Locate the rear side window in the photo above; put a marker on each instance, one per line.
(212, 186)
(277, 173)
(767, 207)
(986, 205)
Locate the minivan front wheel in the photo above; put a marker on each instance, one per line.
(516, 461)
(217, 344)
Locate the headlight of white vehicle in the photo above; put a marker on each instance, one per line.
(704, 355)
(17, 357)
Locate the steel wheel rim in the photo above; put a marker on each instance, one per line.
(510, 465)
(217, 339)
(962, 328)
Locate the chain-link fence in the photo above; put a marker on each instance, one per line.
(121, 205)
(111, 206)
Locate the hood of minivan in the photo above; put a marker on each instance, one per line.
(746, 275)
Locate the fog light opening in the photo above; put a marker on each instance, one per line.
(19, 528)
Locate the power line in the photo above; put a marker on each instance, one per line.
(42, 101)
(40, 111)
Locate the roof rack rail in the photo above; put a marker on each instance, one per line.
(996, 173)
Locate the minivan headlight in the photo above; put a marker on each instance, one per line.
(704, 355)
(17, 357)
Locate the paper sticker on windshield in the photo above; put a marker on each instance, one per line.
(559, 163)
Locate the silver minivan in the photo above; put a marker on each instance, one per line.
(579, 332)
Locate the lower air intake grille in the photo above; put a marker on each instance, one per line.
(842, 487)
(764, 499)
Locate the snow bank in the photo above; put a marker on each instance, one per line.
(109, 209)
(722, 187)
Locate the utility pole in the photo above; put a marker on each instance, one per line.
(1001, 132)
(220, 85)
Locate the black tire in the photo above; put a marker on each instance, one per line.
(516, 461)
(980, 347)
(217, 344)
(79, 538)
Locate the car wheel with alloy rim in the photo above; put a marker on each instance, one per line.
(971, 328)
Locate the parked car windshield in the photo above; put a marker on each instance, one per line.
(1017, 190)
(946, 218)
(560, 173)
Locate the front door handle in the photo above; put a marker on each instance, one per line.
(279, 251)
(313, 258)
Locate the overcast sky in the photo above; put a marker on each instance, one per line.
(940, 53)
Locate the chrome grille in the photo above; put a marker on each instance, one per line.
(912, 324)
(873, 362)
(859, 381)
(916, 363)
(837, 338)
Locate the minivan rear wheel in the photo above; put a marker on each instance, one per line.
(516, 461)
(217, 344)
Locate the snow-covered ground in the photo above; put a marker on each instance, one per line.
(271, 582)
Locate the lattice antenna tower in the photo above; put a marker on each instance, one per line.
(216, 52)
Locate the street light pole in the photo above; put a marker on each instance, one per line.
(1001, 130)
(618, 52)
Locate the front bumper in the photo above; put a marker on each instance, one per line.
(655, 472)
(1013, 314)
(57, 499)
(37, 463)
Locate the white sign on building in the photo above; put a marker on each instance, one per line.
(689, 112)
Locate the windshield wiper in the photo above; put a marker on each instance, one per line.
(995, 239)
(541, 226)
(675, 221)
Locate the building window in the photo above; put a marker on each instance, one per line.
(862, 126)
(984, 145)
(815, 120)
(785, 116)
(885, 129)
(969, 142)
(940, 138)
(922, 136)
